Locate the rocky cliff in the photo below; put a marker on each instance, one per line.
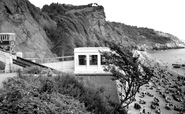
(87, 26)
(59, 28)
(27, 21)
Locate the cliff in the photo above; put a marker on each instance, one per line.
(87, 26)
(59, 28)
(27, 22)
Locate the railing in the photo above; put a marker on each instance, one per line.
(51, 60)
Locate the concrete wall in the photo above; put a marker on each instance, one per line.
(7, 59)
(64, 66)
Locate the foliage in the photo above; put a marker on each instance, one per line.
(33, 70)
(128, 70)
(93, 99)
(152, 36)
(30, 95)
(139, 35)
(35, 12)
(62, 94)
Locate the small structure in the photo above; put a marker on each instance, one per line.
(88, 60)
(7, 48)
(7, 42)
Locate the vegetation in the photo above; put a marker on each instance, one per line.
(62, 94)
(128, 70)
(29, 95)
(32, 70)
(139, 35)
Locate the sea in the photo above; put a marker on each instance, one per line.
(169, 57)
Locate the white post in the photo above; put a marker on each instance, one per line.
(87, 62)
(76, 61)
(8, 62)
(99, 62)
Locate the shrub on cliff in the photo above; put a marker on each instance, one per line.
(33, 70)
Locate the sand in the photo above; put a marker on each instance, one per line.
(166, 80)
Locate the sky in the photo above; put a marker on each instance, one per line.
(162, 15)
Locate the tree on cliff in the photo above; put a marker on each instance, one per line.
(127, 70)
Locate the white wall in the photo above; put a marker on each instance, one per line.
(7, 59)
(64, 66)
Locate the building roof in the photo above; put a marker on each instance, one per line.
(91, 49)
(7, 33)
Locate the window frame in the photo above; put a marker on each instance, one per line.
(101, 58)
(84, 60)
(91, 62)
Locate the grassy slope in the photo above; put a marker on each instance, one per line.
(102, 81)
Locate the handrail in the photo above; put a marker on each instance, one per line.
(26, 63)
(30, 62)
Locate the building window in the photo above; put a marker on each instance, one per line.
(103, 60)
(82, 59)
(93, 59)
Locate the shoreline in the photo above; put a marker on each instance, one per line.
(175, 57)
(166, 87)
(164, 49)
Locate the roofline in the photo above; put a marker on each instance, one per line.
(7, 33)
(84, 48)
(90, 49)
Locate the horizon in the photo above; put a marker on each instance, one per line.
(165, 16)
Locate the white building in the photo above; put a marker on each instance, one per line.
(88, 60)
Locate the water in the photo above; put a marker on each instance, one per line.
(169, 57)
